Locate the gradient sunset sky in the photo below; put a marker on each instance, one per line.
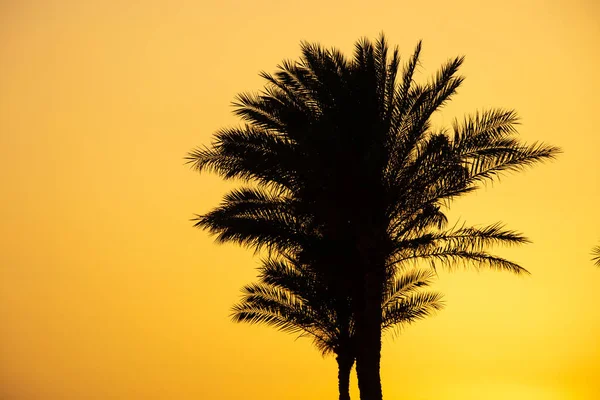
(106, 290)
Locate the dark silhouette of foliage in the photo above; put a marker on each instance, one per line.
(350, 175)
(292, 298)
(596, 256)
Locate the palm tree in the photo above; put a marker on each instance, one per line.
(344, 151)
(292, 298)
(596, 256)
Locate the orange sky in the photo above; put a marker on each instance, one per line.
(106, 290)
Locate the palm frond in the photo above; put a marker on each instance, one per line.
(403, 285)
(506, 156)
(267, 305)
(465, 238)
(402, 95)
(596, 255)
(483, 128)
(248, 153)
(410, 309)
(450, 258)
(256, 218)
(277, 232)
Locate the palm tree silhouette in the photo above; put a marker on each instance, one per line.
(596, 256)
(344, 151)
(292, 298)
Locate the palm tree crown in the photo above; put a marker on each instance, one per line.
(292, 298)
(350, 174)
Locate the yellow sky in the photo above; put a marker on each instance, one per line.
(106, 290)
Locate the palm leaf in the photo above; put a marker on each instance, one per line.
(596, 255)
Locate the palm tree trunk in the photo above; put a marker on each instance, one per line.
(345, 363)
(368, 336)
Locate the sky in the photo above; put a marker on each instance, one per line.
(108, 292)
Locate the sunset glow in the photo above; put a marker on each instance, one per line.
(108, 292)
